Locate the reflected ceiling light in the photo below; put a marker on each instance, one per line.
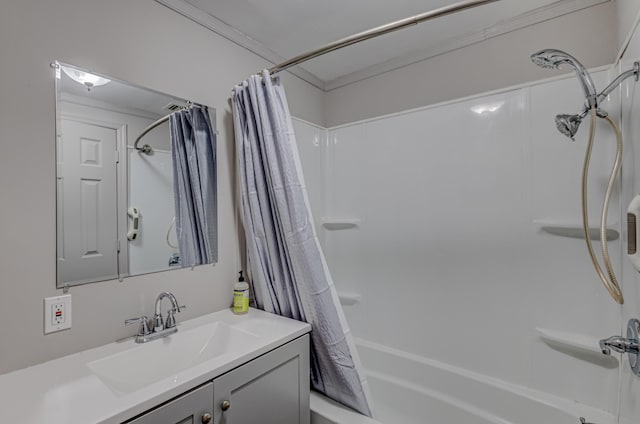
(487, 108)
(85, 78)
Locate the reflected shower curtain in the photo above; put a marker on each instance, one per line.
(193, 151)
(286, 264)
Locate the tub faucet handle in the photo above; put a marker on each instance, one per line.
(619, 344)
(629, 345)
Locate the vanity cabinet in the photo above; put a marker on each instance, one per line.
(271, 389)
(193, 407)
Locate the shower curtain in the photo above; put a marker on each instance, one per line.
(285, 262)
(193, 151)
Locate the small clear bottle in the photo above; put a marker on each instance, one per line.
(241, 296)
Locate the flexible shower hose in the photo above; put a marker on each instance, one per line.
(610, 283)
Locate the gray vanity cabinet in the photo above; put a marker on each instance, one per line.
(193, 407)
(271, 389)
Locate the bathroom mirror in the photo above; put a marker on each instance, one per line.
(115, 204)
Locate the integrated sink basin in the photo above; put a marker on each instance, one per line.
(143, 364)
(113, 383)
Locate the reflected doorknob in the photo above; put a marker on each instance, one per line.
(206, 418)
(225, 405)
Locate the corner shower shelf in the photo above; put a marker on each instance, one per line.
(586, 347)
(576, 231)
(331, 223)
(348, 299)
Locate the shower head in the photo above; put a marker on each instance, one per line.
(545, 61)
(568, 124)
(553, 59)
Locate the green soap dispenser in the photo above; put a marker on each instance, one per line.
(241, 296)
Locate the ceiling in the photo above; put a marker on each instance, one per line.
(278, 29)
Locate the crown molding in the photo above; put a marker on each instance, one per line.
(554, 10)
(524, 20)
(235, 36)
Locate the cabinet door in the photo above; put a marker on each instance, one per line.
(272, 389)
(190, 408)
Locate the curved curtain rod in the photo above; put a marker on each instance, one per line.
(146, 148)
(378, 31)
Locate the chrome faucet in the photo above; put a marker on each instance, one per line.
(619, 344)
(158, 324)
(160, 327)
(174, 259)
(629, 345)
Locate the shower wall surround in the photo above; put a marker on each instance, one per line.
(448, 257)
(151, 192)
(630, 384)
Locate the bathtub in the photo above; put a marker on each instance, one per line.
(326, 411)
(408, 389)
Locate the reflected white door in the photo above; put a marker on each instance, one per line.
(87, 206)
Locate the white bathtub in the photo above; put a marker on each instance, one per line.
(326, 411)
(408, 389)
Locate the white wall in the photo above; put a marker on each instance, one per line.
(627, 14)
(589, 34)
(144, 43)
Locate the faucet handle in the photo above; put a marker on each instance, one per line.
(143, 330)
(619, 344)
(171, 320)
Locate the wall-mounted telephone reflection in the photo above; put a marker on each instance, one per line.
(133, 213)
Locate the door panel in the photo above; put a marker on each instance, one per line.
(273, 389)
(189, 408)
(87, 202)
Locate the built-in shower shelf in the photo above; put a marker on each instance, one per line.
(586, 347)
(331, 223)
(577, 231)
(349, 299)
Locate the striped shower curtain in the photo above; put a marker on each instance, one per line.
(285, 262)
(193, 152)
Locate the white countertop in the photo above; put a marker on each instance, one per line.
(66, 391)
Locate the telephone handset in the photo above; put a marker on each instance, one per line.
(133, 213)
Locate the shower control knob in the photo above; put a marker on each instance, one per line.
(225, 405)
(206, 418)
(629, 345)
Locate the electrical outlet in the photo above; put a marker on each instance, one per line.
(57, 313)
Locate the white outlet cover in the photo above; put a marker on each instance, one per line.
(62, 319)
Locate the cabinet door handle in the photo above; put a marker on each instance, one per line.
(206, 418)
(225, 405)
